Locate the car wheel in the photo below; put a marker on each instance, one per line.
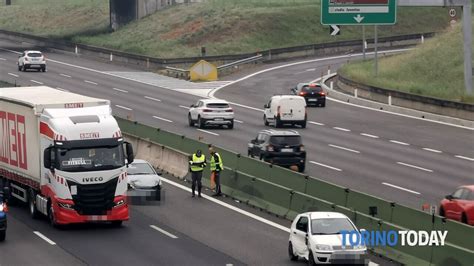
(3, 235)
(301, 167)
(323, 104)
(303, 124)
(231, 125)
(32, 204)
(277, 122)
(311, 261)
(441, 212)
(190, 121)
(464, 218)
(19, 67)
(43, 69)
(265, 121)
(23, 68)
(200, 122)
(291, 254)
(249, 154)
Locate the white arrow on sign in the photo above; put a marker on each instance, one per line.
(359, 18)
(335, 30)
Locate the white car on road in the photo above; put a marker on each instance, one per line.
(143, 181)
(207, 112)
(316, 237)
(31, 59)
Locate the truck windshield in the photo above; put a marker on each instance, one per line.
(90, 159)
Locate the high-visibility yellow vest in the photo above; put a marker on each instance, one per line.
(198, 163)
(213, 162)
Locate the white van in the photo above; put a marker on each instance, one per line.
(285, 109)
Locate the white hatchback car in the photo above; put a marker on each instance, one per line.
(316, 237)
(208, 112)
(31, 59)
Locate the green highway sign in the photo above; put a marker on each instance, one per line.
(358, 12)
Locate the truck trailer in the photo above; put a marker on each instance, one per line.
(64, 155)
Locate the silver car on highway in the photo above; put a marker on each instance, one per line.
(143, 182)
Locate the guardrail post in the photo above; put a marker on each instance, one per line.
(111, 57)
(75, 50)
(389, 99)
(355, 93)
(329, 70)
(270, 54)
(148, 63)
(422, 38)
(331, 85)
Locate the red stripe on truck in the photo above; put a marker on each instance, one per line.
(46, 130)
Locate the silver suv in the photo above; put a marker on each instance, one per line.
(31, 59)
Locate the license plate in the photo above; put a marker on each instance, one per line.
(219, 119)
(313, 100)
(286, 150)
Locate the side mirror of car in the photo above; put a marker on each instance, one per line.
(266, 106)
(130, 156)
(191, 106)
(306, 239)
(449, 197)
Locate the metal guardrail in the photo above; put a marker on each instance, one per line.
(240, 62)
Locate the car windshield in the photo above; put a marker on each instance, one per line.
(35, 55)
(285, 140)
(217, 105)
(330, 226)
(312, 89)
(140, 169)
(90, 159)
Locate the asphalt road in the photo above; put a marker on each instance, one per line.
(401, 159)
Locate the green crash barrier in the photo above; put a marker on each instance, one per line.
(363, 203)
(324, 190)
(287, 193)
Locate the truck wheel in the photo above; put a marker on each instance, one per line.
(117, 223)
(32, 204)
(3, 234)
(51, 216)
(464, 218)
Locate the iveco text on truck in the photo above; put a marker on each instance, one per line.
(63, 154)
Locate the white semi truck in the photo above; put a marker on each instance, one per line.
(63, 154)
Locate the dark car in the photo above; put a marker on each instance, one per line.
(459, 206)
(283, 148)
(312, 93)
(3, 218)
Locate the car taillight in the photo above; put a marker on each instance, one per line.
(302, 93)
(322, 93)
(270, 148)
(229, 110)
(301, 147)
(207, 110)
(4, 207)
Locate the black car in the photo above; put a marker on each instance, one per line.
(312, 93)
(283, 148)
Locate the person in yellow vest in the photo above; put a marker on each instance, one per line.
(196, 165)
(216, 166)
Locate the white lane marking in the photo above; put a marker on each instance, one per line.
(161, 118)
(153, 99)
(342, 129)
(416, 167)
(208, 132)
(343, 148)
(15, 75)
(90, 82)
(44, 238)
(182, 106)
(399, 142)
(228, 206)
(163, 231)
(212, 92)
(401, 188)
(325, 165)
(316, 123)
(239, 121)
(37, 82)
(123, 107)
(464, 157)
(120, 90)
(432, 150)
(64, 75)
(369, 135)
(61, 89)
(3, 59)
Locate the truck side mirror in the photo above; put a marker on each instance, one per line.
(6, 193)
(47, 158)
(130, 156)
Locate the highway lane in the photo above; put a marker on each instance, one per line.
(384, 154)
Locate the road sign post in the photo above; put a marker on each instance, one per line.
(358, 12)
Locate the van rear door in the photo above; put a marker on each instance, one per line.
(292, 108)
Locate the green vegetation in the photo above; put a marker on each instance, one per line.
(4, 84)
(435, 68)
(222, 26)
